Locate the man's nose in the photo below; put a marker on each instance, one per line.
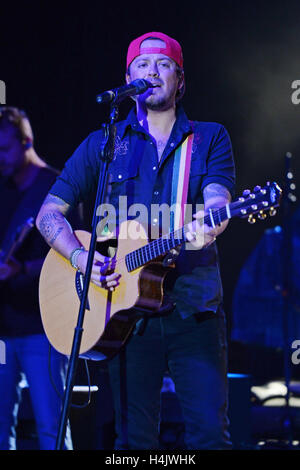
(153, 70)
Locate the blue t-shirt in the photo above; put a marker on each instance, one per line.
(136, 172)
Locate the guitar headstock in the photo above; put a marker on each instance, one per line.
(260, 201)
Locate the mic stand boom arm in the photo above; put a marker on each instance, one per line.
(106, 157)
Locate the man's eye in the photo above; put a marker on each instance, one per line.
(165, 64)
(143, 64)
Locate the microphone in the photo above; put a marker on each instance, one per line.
(136, 87)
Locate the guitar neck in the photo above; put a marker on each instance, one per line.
(18, 238)
(255, 202)
(161, 246)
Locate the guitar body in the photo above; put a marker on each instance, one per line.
(109, 317)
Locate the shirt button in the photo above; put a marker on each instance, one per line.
(120, 177)
(154, 168)
(156, 193)
(172, 144)
(155, 221)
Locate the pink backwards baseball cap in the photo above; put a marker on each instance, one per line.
(172, 48)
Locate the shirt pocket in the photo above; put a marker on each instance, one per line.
(120, 175)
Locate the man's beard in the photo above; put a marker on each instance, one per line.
(161, 104)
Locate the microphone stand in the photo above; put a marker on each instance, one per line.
(107, 153)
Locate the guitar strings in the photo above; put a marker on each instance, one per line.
(147, 252)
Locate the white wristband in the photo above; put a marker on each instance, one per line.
(74, 255)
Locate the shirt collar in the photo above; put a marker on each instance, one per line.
(182, 124)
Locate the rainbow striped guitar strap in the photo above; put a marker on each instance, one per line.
(180, 182)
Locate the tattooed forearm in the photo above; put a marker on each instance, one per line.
(51, 225)
(51, 218)
(56, 235)
(54, 227)
(215, 195)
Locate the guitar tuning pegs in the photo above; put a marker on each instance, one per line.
(261, 215)
(272, 211)
(251, 219)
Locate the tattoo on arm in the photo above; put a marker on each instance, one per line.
(216, 196)
(215, 193)
(51, 225)
(52, 220)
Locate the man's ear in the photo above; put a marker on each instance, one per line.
(181, 81)
(27, 143)
(127, 78)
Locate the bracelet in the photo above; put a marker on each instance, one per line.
(74, 255)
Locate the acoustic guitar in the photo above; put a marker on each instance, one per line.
(111, 316)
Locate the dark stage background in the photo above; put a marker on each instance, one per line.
(241, 58)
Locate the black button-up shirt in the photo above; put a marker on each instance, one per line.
(139, 178)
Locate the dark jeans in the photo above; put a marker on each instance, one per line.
(29, 356)
(193, 351)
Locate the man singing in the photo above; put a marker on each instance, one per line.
(189, 340)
